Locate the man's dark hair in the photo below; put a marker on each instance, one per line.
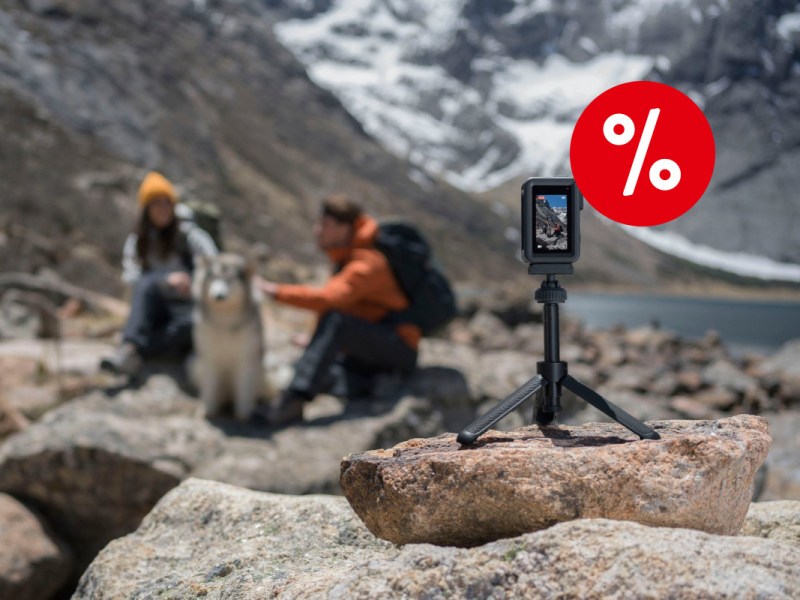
(342, 208)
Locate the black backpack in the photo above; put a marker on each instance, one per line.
(432, 304)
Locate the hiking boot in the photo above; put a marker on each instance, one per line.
(125, 361)
(288, 410)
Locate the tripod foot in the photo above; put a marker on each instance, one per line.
(615, 412)
(541, 417)
(478, 427)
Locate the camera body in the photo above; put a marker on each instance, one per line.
(551, 233)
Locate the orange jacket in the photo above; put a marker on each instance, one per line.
(365, 286)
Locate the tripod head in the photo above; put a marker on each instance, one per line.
(550, 292)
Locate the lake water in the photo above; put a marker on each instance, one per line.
(745, 325)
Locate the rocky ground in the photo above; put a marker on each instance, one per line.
(85, 459)
(211, 540)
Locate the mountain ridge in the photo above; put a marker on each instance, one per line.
(510, 78)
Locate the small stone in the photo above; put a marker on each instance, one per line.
(691, 408)
(689, 381)
(724, 374)
(718, 398)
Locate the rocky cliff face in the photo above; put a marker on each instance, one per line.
(486, 91)
(93, 93)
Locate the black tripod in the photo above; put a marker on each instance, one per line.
(552, 374)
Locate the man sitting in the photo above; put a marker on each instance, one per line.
(355, 306)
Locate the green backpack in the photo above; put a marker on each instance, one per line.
(205, 215)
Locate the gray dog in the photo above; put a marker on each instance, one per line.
(228, 335)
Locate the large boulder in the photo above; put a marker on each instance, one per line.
(211, 540)
(594, 558)
(95, 467)
(214, 540)
(778, 520)
(698, 475)
(34, 563)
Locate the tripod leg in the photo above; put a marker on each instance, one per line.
(615, 412)
(478, 427)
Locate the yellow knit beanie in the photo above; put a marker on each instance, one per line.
(155, 185)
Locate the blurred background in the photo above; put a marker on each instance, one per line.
(435, 111)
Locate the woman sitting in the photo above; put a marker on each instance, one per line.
(158, 260)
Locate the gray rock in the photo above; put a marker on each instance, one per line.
(784, 367)
(724, 374)
(218, 541)
(698, 475)
(95, 467)
(489, 332)
(717, 398)
(79, 357)
(34, 563)
(690, 407)
(33, 401)
(630, 377)
(11, 420)
(437, 354)
(211, 540)
(18, 320)
(305, 459)
(593, 558)
(778, 520)
(665, 384)
(500, 372)
(783, 461)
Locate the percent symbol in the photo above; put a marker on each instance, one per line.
(623, 121)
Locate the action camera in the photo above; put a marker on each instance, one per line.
(551, 209)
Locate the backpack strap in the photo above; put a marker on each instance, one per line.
(182, 246)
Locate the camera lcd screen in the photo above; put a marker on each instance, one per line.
(551, 221)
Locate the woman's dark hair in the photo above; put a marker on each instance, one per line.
(165, 238)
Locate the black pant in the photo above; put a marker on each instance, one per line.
(352, 347)
(160, 322)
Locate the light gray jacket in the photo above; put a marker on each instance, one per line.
(198, 241)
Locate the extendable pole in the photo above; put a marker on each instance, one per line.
(552, 370)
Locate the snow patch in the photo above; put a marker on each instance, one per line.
(739, 263)
(418, 111)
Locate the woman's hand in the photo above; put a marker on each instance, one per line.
(270, 288)
(181, 281)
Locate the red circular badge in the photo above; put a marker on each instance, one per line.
(642, 153)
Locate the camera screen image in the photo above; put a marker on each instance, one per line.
(551, 223)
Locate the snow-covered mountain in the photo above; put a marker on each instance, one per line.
(480, 92)
(425, 81)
